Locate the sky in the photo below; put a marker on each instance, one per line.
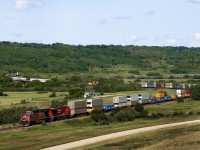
(86, 22)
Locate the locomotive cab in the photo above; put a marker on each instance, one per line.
(25, 118)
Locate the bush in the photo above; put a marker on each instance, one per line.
(139, 107)
(190, 113)
(99, 116)
(115, 111)
(23, 101)
(126, 115)
(144, 114)
(53, 94)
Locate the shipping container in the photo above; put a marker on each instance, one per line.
(77, 107)
(132, 97)
(94, 104)
(180, 93)
(168, 85)
(160, 85)
(120, 101)
(145, 96)
(144, 84)
(151, 85)
(131, 103)
(107, 107)
(160, 94)
(145, 101)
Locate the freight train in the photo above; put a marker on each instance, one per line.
(83, 107)
(166, 85)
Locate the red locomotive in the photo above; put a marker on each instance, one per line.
(31, 117)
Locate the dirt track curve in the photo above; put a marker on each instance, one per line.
(116, 135)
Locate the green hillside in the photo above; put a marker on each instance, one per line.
(61, 58)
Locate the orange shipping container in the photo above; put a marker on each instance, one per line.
(159, 95)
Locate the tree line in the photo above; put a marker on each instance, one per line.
(63, 58)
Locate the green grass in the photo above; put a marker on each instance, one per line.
(42, 136)
(33, 98)
(170, 107)
(184, 137)
(38, 137)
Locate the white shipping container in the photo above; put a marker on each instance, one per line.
(180, 93)
(145, 96)
(94, 103)
(143, 84)
(119, 99)
(132, 97)
(131, 103)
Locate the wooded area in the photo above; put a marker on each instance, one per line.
(62, 58)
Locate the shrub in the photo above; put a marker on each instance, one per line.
(144, 114)
(126, 115)
(115, 111)
(23, 101)
(99, 116)
(53, 94)
(139, 107)
(190, 113)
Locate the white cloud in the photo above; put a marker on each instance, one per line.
(25, 4)
(151, 12)
(194, 1)
(171, 41)
(21, 4)
(197, 36)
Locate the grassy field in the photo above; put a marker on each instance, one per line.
(42, 136)
(32, 99)
(177, 138)
(55, 133)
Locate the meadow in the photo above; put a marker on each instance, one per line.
(32, 98)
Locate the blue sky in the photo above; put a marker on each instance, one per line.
(124, 22)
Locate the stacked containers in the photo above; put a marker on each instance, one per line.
(160, 85)
(168, 85)
(187, 93)
(145, 98)
(132, 99)
(187, 86)
(151, 84)
(180, 93)
(144, 84)
(94, 104)
(77, 107)
(176, 86)
(181, 86)
(120, 101)
(160, 94)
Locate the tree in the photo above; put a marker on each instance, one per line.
(76, 93)
(195, 92)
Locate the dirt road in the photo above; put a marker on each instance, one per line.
(116, 135)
